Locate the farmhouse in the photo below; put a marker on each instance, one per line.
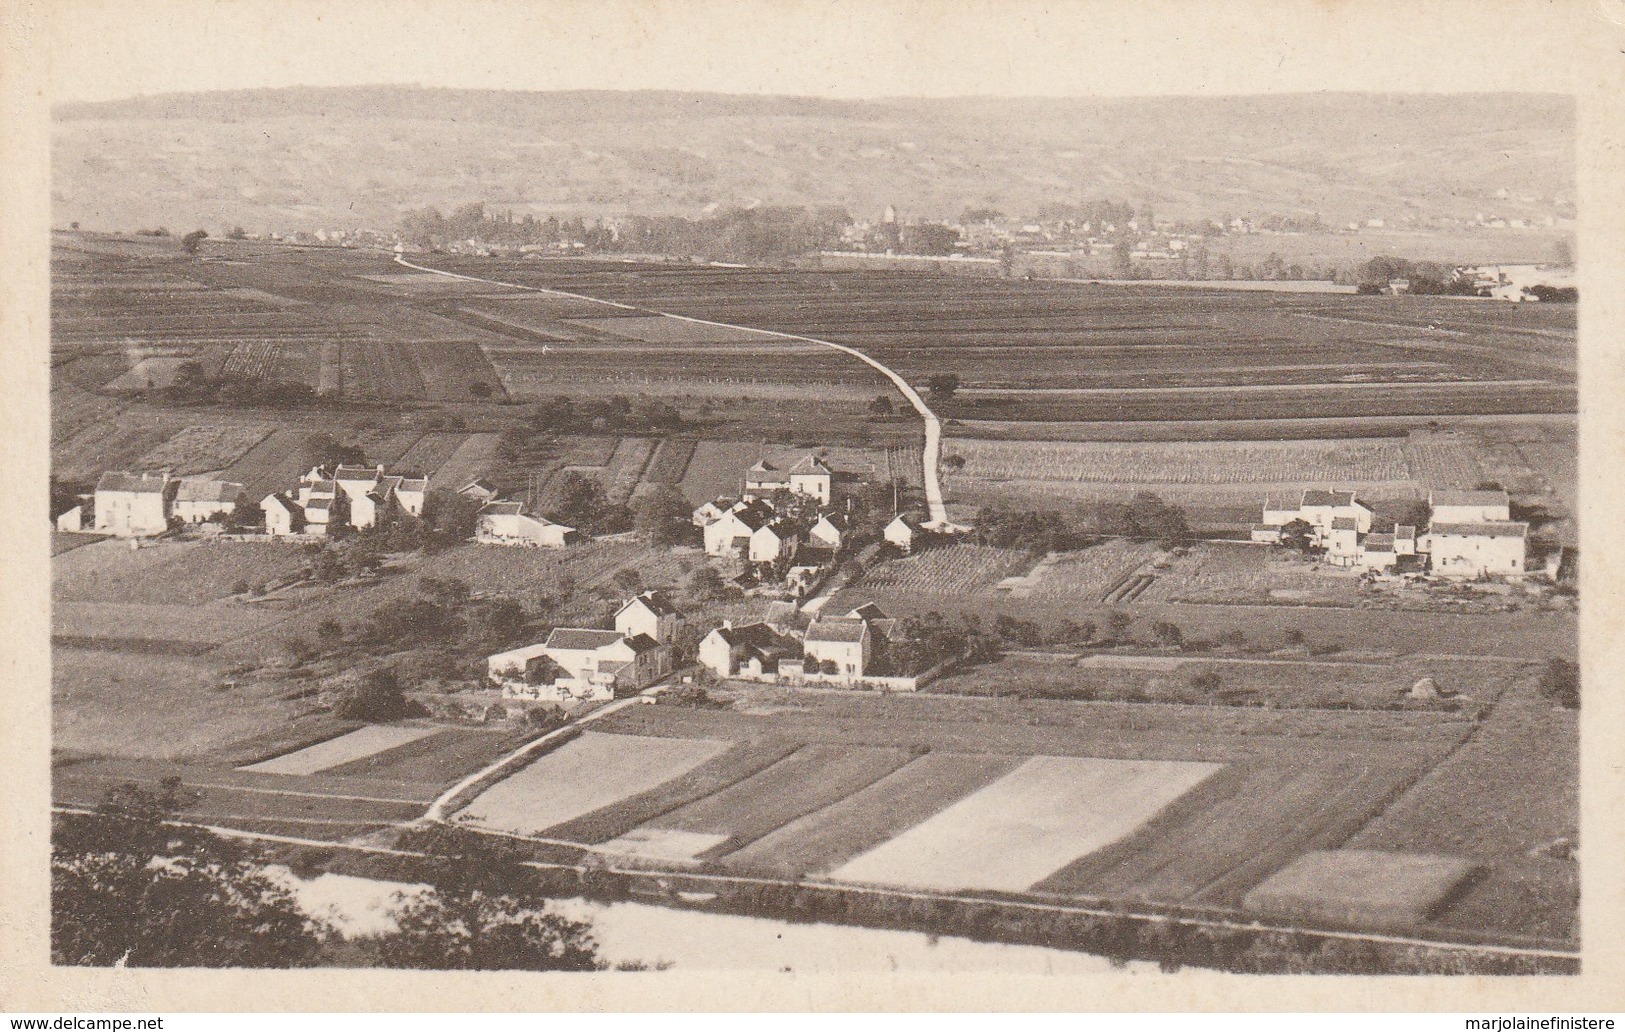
(134, 504)
(1482, 549)
(585, 663)
(1377, 552)
(283, 515)
(752, 650)
(905, 531)
(357, 496)
(710, 512)
(1342, 541)
(775, 540)
(840, 644)
(198, 501)
(1320, 510)
(507, 523)
(810, 477)
(78, 518)
(731, 533)
(830, 530)
(650, 614)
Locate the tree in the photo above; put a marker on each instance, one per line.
(1117, 624)
(237, 233)
(704, 584)
(881, 406)
(127, 889)
(662, 516)
(1207, 682)
(942, 386)
(1297, 534)
(480, 389)
(377, 698)
(628, 579)
(245, 514)
(323, 449)
(190, 242)
(583, 504)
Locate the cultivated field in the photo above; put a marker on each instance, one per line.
(584, 775)
(1026, 825)
(1204, 463)
(953, 571)
(181, 573)
(337, 752)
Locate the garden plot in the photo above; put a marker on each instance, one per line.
(806, 780)
(1220, 462)
(1361, 887)
(587, 774)
(348, 748)
(201, 449)
(831, 836)
(1028, 824)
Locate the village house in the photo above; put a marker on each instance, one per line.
(830, 530)
(1377, 552)
(79, 518)
(1342, 541)
(731, 533)
(507, 523)
(844, 643)
(775, 540)
(809, 477)
(1480, 549)
(585, 663)
(650, 614)
(710, 512)
(199, 501)
(1404, 540)
(283, 515)
(134, 504)
(1319, 509)
(905, 531)
(752, 650)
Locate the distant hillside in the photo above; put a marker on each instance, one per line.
(305, 158)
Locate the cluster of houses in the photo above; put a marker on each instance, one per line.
(587, 663)
(1470, 534)
(353, 496)
(146, 504)
(769, 528)
(583, 664)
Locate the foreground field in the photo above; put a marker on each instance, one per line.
(1165, 805)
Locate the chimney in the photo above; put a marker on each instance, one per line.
(727, 625)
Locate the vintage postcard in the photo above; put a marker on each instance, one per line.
(839, 505)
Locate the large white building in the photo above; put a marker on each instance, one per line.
(588, 663)
(134, 504)
(1479, 549)
(1469, 506)
(507, 523)
(198, 501)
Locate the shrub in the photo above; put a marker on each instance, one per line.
(1560, 682)
(1167, 633)
(376, 698)
(1207, 682)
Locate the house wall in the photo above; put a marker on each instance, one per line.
(900, 536)
(1470, 556)
(816, 485)
(1470, 514)
(766, 546)
(852, 657)
(717, 656)
(132, 512)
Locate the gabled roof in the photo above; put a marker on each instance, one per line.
(1345, 523)
(654, 601)
(838, 520)
(288, 504)
(810, 465)
(502, 509)
(1379, 542)
(208, 491)
(477, 486)
(911, 520)
(358, 472)
(838, 629)
(868, 611)
(581, 638)
(133, 483)
(1334, 499)
(1467, 498)
(391, 483)
(324, 487)
(757, 637)
(1404, 533)
(783, 527)
(763, 466)
(641, 643)
(416, 484)
(319, 504)
(754, 519)
(1486, 529)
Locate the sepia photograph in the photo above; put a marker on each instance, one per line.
(815, 489)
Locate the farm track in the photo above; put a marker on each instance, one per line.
(933, 426)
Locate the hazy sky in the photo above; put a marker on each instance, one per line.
(104, 49)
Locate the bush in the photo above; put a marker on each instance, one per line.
(376, 698)
(1560, 682)
(1167, 633)
(1207, 682)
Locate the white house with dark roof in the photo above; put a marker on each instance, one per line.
(750, 650)
(905, 531)
(712, 511)
(283, 515)
(582, 663)
(812, 478)
(650, 614)
(764, 478)
(731, 533)
(478, 490)
(844, 641)
(507, 523)
(134, 504)
(199, 501)
(1377, 552)
(830, 530)
(779, 538)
